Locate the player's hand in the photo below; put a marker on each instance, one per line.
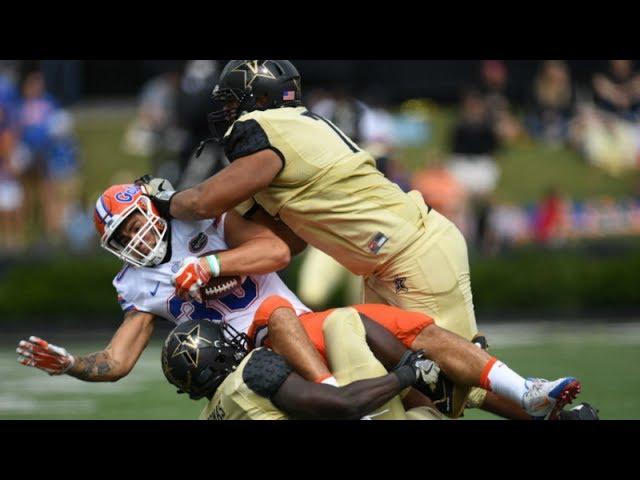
(159, 190)
(38, 353)
(191, 277)
(426, 371)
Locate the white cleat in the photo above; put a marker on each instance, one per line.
(544, 399)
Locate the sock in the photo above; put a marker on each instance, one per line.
(503, 381)
(329, 380)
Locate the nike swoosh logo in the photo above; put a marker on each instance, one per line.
(153, 294)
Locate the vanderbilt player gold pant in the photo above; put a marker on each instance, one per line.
(317, 264)
(350, 359)
(432, 276)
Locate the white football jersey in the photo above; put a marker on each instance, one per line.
(149, 289)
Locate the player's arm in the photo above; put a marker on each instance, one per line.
(226, 189)
(295, 243)
(255, 249)
(122, 353)
(303, 399)
(108, 365)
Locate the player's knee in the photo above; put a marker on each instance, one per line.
(341, 318)
(273, 309)
(281, 318)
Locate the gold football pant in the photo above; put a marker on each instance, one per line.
(350, 358)
(320, 275)
(431, 276)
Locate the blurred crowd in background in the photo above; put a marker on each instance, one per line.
(39, 160)
(41, 164)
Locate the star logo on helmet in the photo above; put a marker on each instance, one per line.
(190, 344)
(252, 70)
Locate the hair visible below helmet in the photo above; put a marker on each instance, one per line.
(148, 246)
(255, 85)
(199, 354)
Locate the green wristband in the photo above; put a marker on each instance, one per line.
(214, 264)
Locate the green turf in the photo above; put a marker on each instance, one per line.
(608, 373)
(606, 364)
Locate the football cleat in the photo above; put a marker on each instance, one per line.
(584, 411)
(544, 399)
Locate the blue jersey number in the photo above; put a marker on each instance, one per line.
(193, 310)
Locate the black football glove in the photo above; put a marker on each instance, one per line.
(414, 368)
(160, 191)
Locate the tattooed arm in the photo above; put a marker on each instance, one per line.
(117, 360)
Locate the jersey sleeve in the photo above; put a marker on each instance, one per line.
(130, 291)
(247, 137)
(265, 372)
(247, 208)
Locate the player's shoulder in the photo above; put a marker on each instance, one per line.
(258, 130)
(130, 283)
(265, 372)
(272, 114)
(128, 274)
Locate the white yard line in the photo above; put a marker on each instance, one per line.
(510, 334)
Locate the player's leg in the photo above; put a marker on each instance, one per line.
(467, 365)
(432, 276)
(288, 338)
(317, 264)
(350, 358)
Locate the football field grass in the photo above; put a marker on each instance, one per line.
(606, 357)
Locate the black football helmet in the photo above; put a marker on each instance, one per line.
(199, 354)
(270, 83)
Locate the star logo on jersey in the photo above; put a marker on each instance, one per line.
(252, 70)
(190, 344)
(399, 283)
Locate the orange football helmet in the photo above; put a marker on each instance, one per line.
(148, 245)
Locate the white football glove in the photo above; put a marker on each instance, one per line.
(428, 370)
(425, 370)
(40, 354)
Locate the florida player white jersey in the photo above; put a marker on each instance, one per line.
(149, 289)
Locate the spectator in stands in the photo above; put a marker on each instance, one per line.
(494, 86)
(551, 103)
(617, 90)
(552, 219)
(33, 113)
(342, 109)
(154, 132)
(442, 191)
(60, 185)
(11, 192)
(474, 144)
